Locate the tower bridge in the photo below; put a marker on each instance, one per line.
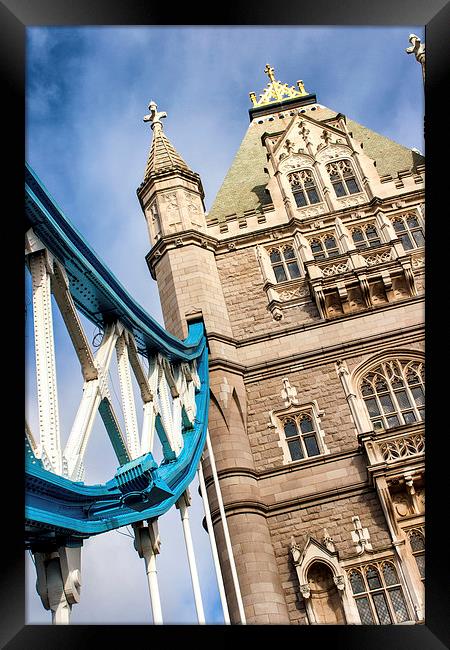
(289, 378)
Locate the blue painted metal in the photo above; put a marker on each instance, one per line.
(64, 511)
(96, 291)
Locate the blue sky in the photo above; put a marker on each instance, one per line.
(87, 91)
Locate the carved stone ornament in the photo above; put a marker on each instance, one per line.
(331, 152)
(339, 582)
(277, 314)
(305, 591)
(351, 201)
(312, 212)
(295, 161)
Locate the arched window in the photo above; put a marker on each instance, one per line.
(304, 188)
(394, 393)
(417, 543)
(343, 178)
(301, 435)
(378, 594)
(284, 263)
(365, 236)
(409, 231)
(323, 247)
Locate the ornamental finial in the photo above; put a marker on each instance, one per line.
(418, 49)
(154, 117)
(270, 72)
(277, 91)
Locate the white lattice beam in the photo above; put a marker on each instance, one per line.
(41, 267)
(150, 408)
(93, 391)
(127, 394)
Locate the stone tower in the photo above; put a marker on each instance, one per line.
(308, 273)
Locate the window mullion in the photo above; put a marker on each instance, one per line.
(387, 594)
(397, 406)
(380, 408)
(413, 402)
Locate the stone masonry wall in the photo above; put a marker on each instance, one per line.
(242, 283)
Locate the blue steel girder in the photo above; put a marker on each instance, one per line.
(61, 511)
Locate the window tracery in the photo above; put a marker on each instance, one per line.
(301, 436)
(365, 236)
(394, 393)
(343, 178)
(378, 594)
(284, 263)
(409, 231)
(417, 542)
(324, 247)
(304, 188)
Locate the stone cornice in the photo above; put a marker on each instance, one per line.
(177, 240)
(295, 466)
(253, 372)
(303, 225)
(164, 174)
(290, 505)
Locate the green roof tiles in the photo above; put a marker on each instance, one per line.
(243, 189)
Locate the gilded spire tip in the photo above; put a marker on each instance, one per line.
(277, 91)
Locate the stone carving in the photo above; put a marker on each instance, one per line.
(420, 494)
(418, 262)
(277, 314)
(328, 540)
(172, 210)
(289, 393)
(305, 591)
(332, 151)
(334, 305)
(295, 161)
(334, 269)
(193, 210)
(154, 117)
(339, 582)
(293, 294)
(378, 258)
(360, 536)
(319, 208)
(351, 201)
(402, 447)
(401, 505)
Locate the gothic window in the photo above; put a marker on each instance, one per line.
(366, 236)
(378, 594)
(304, 188)
(343, 178)
(417, 543)
(284, 263)
(301, 436)
(323, 247)
(393, 393)
(409, 231)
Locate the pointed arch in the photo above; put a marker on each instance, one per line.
(392, 388)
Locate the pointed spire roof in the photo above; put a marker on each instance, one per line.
(163, 155)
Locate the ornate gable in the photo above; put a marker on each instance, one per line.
(304, 141)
